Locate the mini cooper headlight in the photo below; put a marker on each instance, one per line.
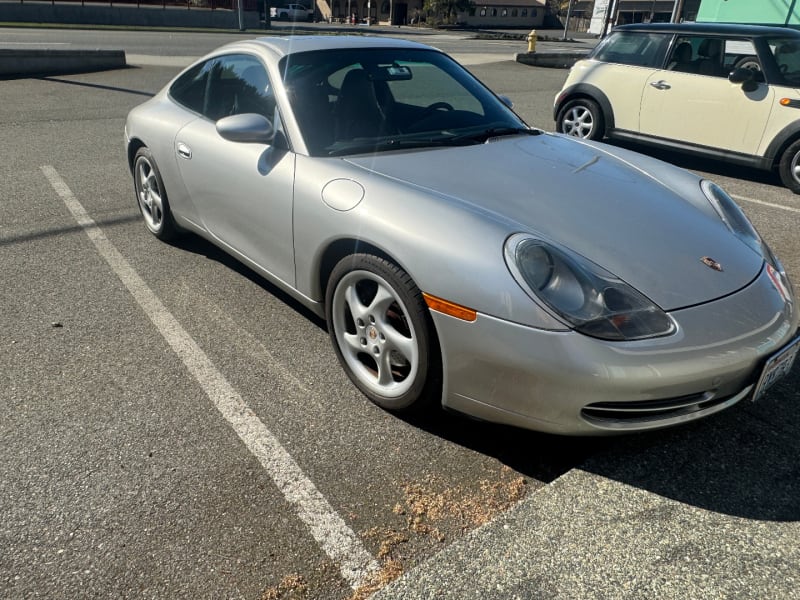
(590, 299)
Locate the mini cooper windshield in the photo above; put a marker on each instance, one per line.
(357, 101)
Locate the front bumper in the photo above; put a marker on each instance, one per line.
(568, 383)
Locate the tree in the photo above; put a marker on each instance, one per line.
(557, 7)
(447, 11)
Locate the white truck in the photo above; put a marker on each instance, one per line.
(291, 12)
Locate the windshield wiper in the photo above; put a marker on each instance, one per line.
(485, 135)
(397, 143)
(360, 147)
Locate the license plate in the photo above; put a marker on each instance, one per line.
(777, 366)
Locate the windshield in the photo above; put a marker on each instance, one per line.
(362, 100)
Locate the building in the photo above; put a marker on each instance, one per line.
(489, 13)
(763, 12)
(620, 12)
(527, 14)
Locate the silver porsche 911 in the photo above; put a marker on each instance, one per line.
(459, 256)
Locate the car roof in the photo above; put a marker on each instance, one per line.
(713, 29)
(292, 44)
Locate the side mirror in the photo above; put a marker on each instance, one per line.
(741, 75)
(507, 101)
(248, 128)
(747, 77)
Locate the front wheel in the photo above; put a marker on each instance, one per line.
(581, 118)
(789, 167)
(382, 332)
(151, 196)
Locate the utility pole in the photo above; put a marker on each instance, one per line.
(677, 11)
(611, 16)
(566, 24)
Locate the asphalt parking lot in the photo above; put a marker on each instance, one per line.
(175, 427)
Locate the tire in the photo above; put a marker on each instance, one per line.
(382, 333)
(748, 62)
(151, 196)
(581, 118)
(789, 167)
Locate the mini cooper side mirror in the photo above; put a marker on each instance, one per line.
(747, 77)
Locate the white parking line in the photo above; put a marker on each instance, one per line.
(330, 531)
(762, 203)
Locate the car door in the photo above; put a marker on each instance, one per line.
(243, 192)
(692, 100)
(626, 60)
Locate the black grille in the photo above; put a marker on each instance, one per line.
(643, 411)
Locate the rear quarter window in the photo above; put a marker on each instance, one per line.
(633, 48)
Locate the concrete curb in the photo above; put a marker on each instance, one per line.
(15, 63)
(554, 60)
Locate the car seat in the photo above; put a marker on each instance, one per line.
(357, 111)
(682, 59)
(710, 51)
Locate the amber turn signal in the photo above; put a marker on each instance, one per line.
(450, 308)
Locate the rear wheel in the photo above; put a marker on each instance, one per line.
(789, 167)
(581, 118)
(382, 332)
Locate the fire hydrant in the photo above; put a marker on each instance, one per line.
(532, 41)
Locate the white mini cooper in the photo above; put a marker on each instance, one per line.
(723, 91)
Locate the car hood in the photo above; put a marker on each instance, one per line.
(586, 198)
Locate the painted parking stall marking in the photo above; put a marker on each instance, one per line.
(330, 531)
(768, 204)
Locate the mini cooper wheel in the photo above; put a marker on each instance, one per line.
(151, 196)
(382, 332)
(581, 118)
(789, 167)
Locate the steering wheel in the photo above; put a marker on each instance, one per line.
(437, 106)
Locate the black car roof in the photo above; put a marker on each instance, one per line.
(713, 29)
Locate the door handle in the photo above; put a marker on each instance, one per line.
(660, 84)
(184, 151)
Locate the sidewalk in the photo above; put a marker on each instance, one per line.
(707, 511)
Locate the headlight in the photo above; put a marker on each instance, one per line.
(733, 216)
(590, 299)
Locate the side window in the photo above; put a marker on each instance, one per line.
(710, 54)
(633, 48)
(741, 54)
(189, 90)
(713, 56)
(787, 57)
(683, 58)
(239, 84)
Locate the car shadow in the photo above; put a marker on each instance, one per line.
(96, 86)
(536, 455)
(741, 462)
(197, 245)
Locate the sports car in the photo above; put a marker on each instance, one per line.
(459, 256)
